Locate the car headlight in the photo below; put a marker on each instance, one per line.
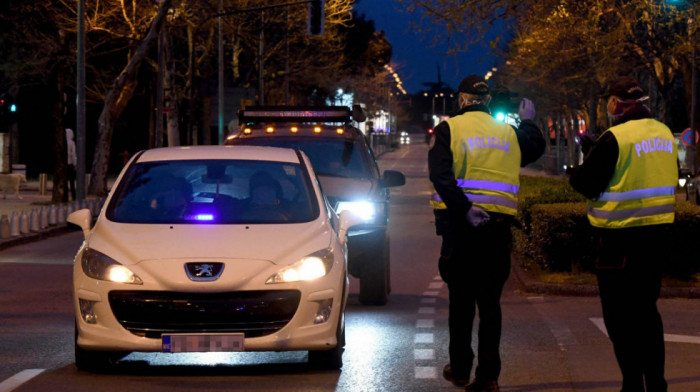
(97, 265)
(311, 267)
(366, 210)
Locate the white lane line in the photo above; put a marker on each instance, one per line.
(424, 338)
(425, 323)
(667, 337)
(426, 310)
(436, 285)
(431, 293)
(425, 372)
(423, 354)
(437, 277)
(19, 379)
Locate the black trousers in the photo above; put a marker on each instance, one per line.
(629, 278)
(475, 264)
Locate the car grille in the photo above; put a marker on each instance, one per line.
(154, 313)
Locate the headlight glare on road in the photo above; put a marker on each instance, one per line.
(97, 265)
(366, 210)
(308, 268)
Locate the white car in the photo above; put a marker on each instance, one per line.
(212, 248)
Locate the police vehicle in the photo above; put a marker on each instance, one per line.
(212, 249)
(349, 175)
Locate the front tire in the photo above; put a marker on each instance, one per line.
(95, 361)
(330, 359)
(375, 282)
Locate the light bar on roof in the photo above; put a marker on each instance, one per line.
(287, 114)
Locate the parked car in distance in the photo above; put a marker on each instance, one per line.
(212, 248)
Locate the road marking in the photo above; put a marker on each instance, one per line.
(423, 354)
(426, 372)
(426, 310)
(431, 293)
(425, 323)
(424, 338)
(667, 337)
(437, 277)
(436, 285)
(19, 379)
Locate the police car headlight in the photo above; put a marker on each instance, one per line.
(366, 210)
(310, 267)
(97, 265)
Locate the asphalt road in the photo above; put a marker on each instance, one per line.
(550, 343)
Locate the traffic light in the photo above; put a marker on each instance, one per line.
(8, 112)
(316, 17)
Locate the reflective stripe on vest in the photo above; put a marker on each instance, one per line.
(483, 199)
(637, 194)
(486, 162)
(642, 189)
(632, 212)
(491, 185)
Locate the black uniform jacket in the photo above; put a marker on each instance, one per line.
(531, 143)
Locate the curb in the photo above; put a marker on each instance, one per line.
(530, 285)
(32, 237)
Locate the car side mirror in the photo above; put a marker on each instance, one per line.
(80, 220)
(348, 219)
(392, 178)
(358, 114)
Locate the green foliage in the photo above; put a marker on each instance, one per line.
(543, 190)
(557, 236)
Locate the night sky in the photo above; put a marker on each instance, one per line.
(413, 57)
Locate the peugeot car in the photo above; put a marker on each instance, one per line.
(209, 249)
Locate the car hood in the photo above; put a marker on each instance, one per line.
(275, 243)
(342, 188)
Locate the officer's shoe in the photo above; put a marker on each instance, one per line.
(483, 386)
(447, 375)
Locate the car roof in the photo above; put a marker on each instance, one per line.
(255, 153)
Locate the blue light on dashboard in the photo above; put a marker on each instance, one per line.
(204, 217)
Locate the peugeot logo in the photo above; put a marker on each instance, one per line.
(204, 272)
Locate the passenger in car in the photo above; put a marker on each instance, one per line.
(265, 201)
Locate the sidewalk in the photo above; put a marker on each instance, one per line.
(35, 216)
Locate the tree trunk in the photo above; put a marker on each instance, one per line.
(59, 194)
(171, 96)
(117, 98)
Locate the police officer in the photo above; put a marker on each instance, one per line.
(474, 164)
(629, 177)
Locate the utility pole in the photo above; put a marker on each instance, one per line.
(220, 116)
(80, 105)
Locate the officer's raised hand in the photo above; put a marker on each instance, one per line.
(477, 217)
(526, 110)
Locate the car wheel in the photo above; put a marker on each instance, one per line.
(375, 282)
(330, 359)
(95, 361)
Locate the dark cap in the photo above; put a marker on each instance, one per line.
(625, 88)
(474, 84)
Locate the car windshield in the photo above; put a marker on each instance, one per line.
(338, 157)
(215, 192)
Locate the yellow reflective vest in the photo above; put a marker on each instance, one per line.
(642, 189)
(486, 162)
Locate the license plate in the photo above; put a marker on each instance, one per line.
(203, 343)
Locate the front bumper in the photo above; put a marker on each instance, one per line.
(280, 317)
